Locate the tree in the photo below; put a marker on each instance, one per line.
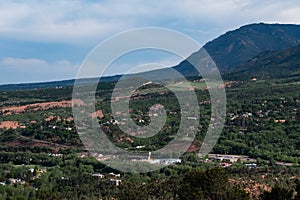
(297, 189)
(210, 184)
(190, 157)
(277, 193)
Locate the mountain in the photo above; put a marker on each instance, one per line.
(30, 86)
(271, 64)
(235, 48)
(229, 51)
(56, 84)
(262, 50)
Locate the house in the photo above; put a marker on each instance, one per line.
(166, 161)
(225, 164)
(279, 120)
(251, 165)
(43, 170)
(97, 175)
(57, 155)
(14, 181)
(115, 175)
(115, 182)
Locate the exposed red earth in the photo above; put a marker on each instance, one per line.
(40, 106)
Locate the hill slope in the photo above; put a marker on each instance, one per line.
(272, 64)
(235, 48)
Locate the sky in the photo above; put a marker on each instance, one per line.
(48, 40)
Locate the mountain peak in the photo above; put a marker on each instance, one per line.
(236, 47)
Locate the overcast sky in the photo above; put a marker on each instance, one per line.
(48, 40)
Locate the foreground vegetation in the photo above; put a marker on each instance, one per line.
(72, 178)
(262, 122)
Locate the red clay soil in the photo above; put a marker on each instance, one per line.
(9, 124)
(18, 143)
(195, 146)
(51, 117)
(36, 143)
(98, 113)
(69, 119)
(182, 145)
(40, 106)
(252, 187)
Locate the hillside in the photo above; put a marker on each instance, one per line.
(236, 47)
(271, 64)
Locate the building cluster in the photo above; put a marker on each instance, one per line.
(36, 173)
(112, 178)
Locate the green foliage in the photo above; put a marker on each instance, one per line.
(277, 193)
(210, 184)
(252, 128)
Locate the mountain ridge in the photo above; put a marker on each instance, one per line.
(236, 47)
(229, 51)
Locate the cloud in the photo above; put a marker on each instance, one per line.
(86, 21)
(47, 39)
(20, 69)
(66, 22)
(21, 62)
(16, 70)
